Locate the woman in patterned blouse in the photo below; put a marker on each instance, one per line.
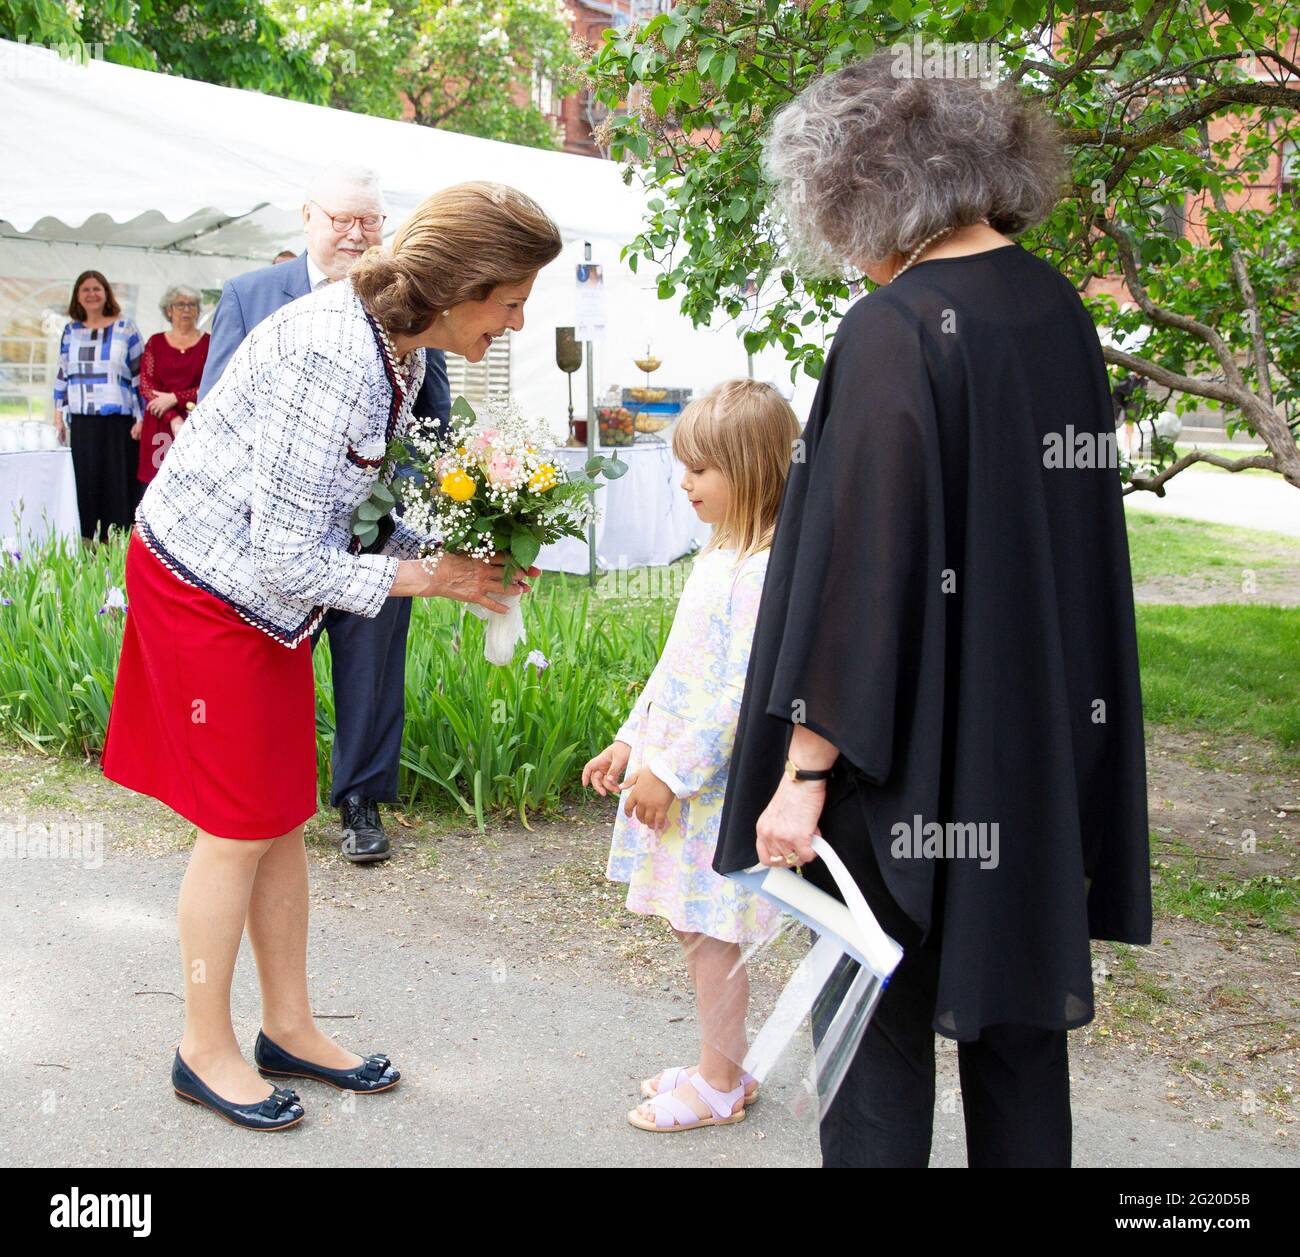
(169, 377)
(97, 403)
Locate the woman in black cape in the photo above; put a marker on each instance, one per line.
(947, 622)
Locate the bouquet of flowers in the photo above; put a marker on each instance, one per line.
(487, 488)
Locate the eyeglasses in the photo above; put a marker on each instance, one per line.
(185, 305)
(343, 222)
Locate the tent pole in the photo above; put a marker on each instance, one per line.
(591, 443)
(591, 453)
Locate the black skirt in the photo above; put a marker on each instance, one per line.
(104, 463)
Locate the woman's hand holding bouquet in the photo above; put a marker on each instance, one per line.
(489, 492)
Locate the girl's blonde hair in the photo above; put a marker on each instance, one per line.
(458, 245)
(747, 431)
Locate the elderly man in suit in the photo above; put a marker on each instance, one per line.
(344, 216)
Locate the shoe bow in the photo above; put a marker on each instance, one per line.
(275, 1104)
(373, 1067)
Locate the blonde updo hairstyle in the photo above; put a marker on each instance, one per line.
(458, 245)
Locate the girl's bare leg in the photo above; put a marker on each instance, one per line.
(722, 1002)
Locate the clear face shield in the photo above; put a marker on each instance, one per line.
(811, 1004)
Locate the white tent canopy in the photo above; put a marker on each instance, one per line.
(158, 180)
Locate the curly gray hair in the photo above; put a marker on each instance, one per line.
(866, 163)
(179, 290)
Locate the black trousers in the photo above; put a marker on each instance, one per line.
(368, 663)
(104, 459)
(1015, 1081)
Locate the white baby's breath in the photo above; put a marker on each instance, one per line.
(503, 454)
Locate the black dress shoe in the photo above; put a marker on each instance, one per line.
(375, 1073)
(364, 839)
(278, 1111)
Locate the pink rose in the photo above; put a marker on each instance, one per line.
(503, 469)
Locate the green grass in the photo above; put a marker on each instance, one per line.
(483, 737)
(1162, 545)
(1269, 901)
(1223, 669)
(479, 738)
(476, 737)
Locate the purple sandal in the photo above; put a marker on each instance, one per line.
(672, 1114)
(675, 1075)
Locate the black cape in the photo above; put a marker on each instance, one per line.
(948, 601)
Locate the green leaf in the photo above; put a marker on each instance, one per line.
(461, 409)
(524, 547)
(369, 512)
(660, 98)
(382, 494)
(688, 90)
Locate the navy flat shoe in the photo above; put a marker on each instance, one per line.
(278, 1111)
(375, 1073)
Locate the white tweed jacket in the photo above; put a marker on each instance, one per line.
(254, 500)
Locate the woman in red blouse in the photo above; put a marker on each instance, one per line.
(170, 372)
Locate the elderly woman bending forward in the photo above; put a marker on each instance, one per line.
(241, 544)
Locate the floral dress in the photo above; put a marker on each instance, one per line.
(683, 727)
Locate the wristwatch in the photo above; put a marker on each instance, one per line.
(805, 774)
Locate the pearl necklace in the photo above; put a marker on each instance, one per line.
(942, 234)
(402, 366)
(431, 552)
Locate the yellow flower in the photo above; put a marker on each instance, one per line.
(543, 478)
(458, 486)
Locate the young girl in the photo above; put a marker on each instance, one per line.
(736, 445)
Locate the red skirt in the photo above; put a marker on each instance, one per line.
(210, 715)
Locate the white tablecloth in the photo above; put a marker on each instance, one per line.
(644, 519)
(39, 488)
